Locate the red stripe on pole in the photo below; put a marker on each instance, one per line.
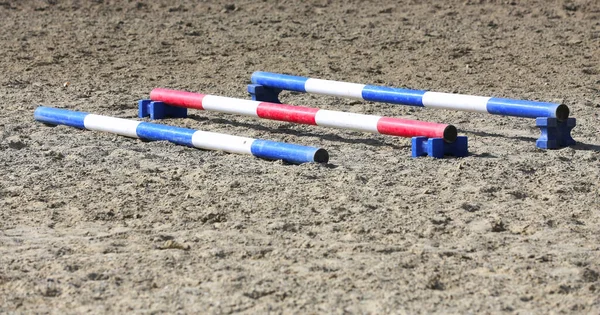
(410, 128)
(283, 112)
(178, 98)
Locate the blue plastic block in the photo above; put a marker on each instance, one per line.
(555, 134)
(264, 94)
(437, 147)
(159, 110)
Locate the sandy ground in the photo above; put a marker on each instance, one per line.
(97, 222)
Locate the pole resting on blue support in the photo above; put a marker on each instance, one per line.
(159, 110)
(437, 147)
(556, 134)
(262, 93)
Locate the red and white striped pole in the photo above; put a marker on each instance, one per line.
(306, 115)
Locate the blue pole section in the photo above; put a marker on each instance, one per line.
(527, 109)
(292, 153)
(57, 116)
(279, 81)
(150, 131)
(393, 95)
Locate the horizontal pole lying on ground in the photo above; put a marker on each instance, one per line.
(306, 115)
(491, 105)
(271, 150)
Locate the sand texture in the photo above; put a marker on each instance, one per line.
(91, 221)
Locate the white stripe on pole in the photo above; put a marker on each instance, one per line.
(456, 101)
(217, 141)
(123, 127)
(359, 122)
(230, 105)
(334, 88)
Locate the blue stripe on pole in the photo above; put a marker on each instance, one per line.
(393, 95)
(529, 109)
(57, 116)
(279, 81)
(158, 132)
(292, 153)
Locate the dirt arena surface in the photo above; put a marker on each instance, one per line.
(95, 222)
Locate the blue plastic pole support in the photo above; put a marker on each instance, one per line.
(159, 110)
(555, 134)
(437, 147)
(264, 94)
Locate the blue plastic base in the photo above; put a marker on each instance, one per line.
(264, 94)
(437, 147)
(555, 134)
(159, 110)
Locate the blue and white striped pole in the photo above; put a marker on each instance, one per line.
(265, 149)
(491, 105)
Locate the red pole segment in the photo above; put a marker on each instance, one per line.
(178, 98)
